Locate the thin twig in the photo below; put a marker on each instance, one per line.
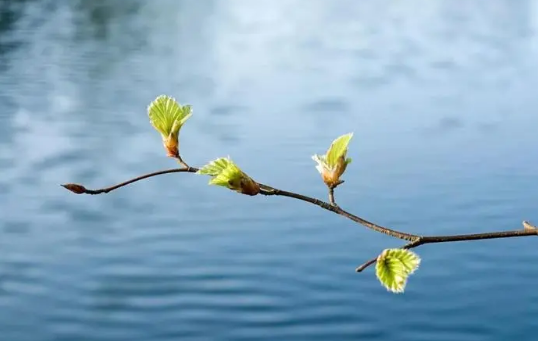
(369, 262)
(331, 196)
(366, 264)
(528, 231)
(266, 190)
(79, 189)
(181, 162)
(477, 236)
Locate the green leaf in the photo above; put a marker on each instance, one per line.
(224, 172)
(215, 167)
(167, 115)
(230, 177)
(394, 266)
(338, 149)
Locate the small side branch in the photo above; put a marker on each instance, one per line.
(369, 262)
(366, 264)
(181, 162)
(331, 196)
(331, 192)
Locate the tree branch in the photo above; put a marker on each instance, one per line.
(266, 190)
(529, 230)
(79, 189)
(414, 240)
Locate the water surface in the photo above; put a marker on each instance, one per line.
(440, 96)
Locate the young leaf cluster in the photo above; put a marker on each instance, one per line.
(167, 116)
(224, 172)
(333, 164)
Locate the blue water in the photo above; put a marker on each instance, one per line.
(441, 96)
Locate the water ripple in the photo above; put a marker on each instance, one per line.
(442, 107)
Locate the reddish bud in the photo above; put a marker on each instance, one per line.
(75, 188)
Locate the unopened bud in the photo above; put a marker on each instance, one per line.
(249, 186)
(75, 188)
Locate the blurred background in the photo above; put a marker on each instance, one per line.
(441, 96)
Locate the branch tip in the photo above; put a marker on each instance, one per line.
(75, 188)
(366, 264)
